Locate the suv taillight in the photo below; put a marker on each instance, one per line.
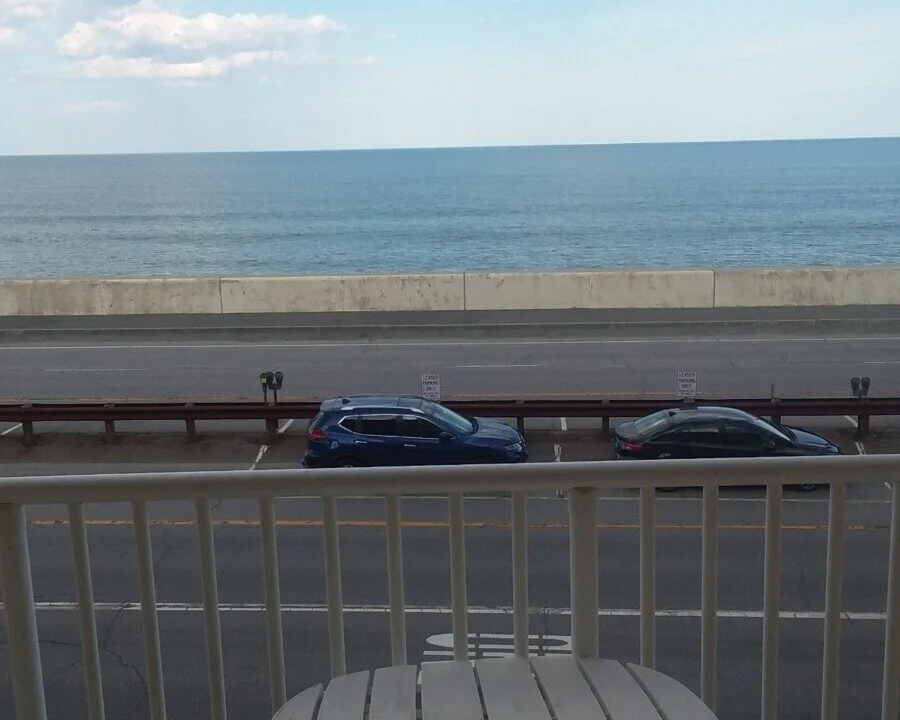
(630, 446)
(316, 435)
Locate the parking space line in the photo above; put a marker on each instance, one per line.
(563, 425)
(11, 429)
(265, 448)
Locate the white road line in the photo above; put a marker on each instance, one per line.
(90, 370)
(447, 343)
(446, 610)
(563, 425)
(851, 420)
(265, 448)
(557, 453)
(485, 367)
(860, 448)
(259, 456)
(11, 429)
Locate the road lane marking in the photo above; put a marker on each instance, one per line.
(443, 524)
(265, 448)
(563, 425)
(90, 370)
(316, 609)
(850, 419)
(450, 343)
(11, 429)
(485, 367)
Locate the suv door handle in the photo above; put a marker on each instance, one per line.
(409, 445)
(360, 442)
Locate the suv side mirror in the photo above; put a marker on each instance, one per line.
(445, 437)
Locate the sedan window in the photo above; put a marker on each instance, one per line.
(743, 436)
(695, 434)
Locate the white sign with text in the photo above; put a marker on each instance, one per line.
(431, 386)
(686, 384)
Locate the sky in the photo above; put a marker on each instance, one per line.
(105, 76)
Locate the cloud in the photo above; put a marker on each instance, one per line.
(22, 11)
(368, 60)
(146, 29)
(148, 68)
(96, 107)
(8, 36)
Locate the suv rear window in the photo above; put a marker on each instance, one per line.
(349, 423)
(317, 421)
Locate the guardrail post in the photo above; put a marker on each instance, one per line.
(191, 428)
(110, 428)
(28, 432)
(21, 624)
(604, 433)
(862, 430)
(272, 430)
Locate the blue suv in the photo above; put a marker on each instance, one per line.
(377, 430)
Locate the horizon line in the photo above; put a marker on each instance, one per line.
(458, 147)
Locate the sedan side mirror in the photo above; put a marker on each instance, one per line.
(445, 437)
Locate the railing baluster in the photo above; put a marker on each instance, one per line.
(648, 577)
(710, 599)
(210, 585)
(890, 693)
(333, 594)
(396, 595)
(458, 577)
(84, 593)
(583, 572)
(149, 619)
(771, 594)
(21, 624)
(273, 602)
(834, 582)
(520, 572)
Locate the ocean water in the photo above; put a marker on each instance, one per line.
(832, 202)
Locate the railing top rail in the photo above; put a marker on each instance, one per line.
(533, 477)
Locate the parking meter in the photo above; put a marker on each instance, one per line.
(276, 383)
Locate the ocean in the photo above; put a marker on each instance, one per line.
(830, 202)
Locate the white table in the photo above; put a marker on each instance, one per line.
(547, 687)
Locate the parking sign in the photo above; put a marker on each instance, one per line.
(686, 384)
(431, 386)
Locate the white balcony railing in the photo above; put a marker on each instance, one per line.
(582, 479)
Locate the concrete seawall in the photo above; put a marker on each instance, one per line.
(602, 289)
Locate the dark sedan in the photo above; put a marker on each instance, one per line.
(714, 432)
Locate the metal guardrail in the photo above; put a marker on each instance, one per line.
(605, 409)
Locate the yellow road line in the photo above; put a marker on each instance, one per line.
(443, 524)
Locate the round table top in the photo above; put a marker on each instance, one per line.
(540, 688)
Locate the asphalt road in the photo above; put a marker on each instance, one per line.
(428, 596)
(548, 366)
(549, 363)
